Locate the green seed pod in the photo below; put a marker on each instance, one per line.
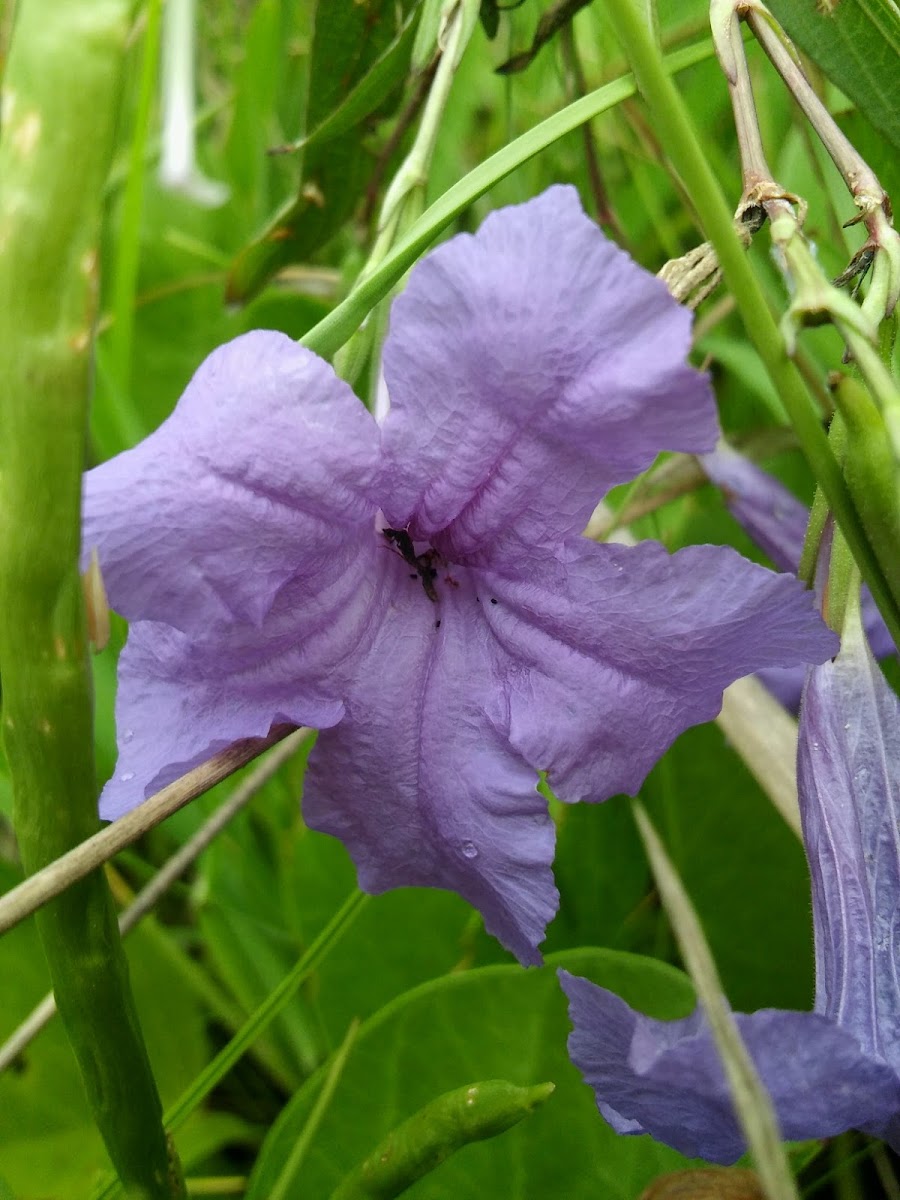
(426, 1139)
(873, 476)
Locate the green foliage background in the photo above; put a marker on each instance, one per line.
(440, 1003)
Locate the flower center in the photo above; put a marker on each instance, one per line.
(422, 564)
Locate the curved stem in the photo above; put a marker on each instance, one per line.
(676, 129)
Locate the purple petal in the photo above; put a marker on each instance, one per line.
(419, 781)
(266, 465)
(772, 515)
(849, 785)
(665, 1078)
(776, 520)
(181, 698)
(619, 650)
(531, 367)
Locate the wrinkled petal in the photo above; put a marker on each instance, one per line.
(848, 773)
(181, 699)
(665, 1077)
(620, 649)
(531, 367)
(776, 520)
(266, 465)
(419, 781)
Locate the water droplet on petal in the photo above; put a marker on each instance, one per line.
(470, 850)
(127, 776)
(127, 735)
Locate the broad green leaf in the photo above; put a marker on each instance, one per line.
(857, 45)
(495, 1022)
(371, 90)
(603, 880)
(359, 57)
(742, 867)
(48, 1143)
(555, 18)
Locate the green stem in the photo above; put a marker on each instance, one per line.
(257, 1022)
(62, 89)
(334, 330)
(673, 122)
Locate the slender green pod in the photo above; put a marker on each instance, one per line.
(872, 475)
(60, 100)
(426, 1139)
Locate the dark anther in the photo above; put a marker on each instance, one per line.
(493, 601)
(423, 563)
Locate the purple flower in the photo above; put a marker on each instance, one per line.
(777, 521)
(248, 540)
(835, 1068)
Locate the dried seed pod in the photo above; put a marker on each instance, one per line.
(706, 1183)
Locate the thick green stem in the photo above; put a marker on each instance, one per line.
(676, 131)
(59, 113)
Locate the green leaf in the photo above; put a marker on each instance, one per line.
(388, 70)
(553, 20)
(499, 1022)
(331, 333)
(742, 867)
(857, 45)
(49, 1144)
(359, 57)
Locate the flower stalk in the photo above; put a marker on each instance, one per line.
(61, 94)
(868, 195)
(814, 298)
(677, 131)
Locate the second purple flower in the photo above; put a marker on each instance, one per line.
(420, 591)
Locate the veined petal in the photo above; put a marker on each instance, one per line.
(531, 367)
(848, 771)
(619, 650)
(419, 781)
(665, 1077)
(267, 465)
(181, 698)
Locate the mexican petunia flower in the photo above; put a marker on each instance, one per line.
(419, 591)
(829, 1070)
(777, 521)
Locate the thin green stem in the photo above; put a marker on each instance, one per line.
(281, 1189)
(677, 133)
(61, 98)
(752, 1104)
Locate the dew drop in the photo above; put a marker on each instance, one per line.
(470, 850)
(127, 735)
(127, 777)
